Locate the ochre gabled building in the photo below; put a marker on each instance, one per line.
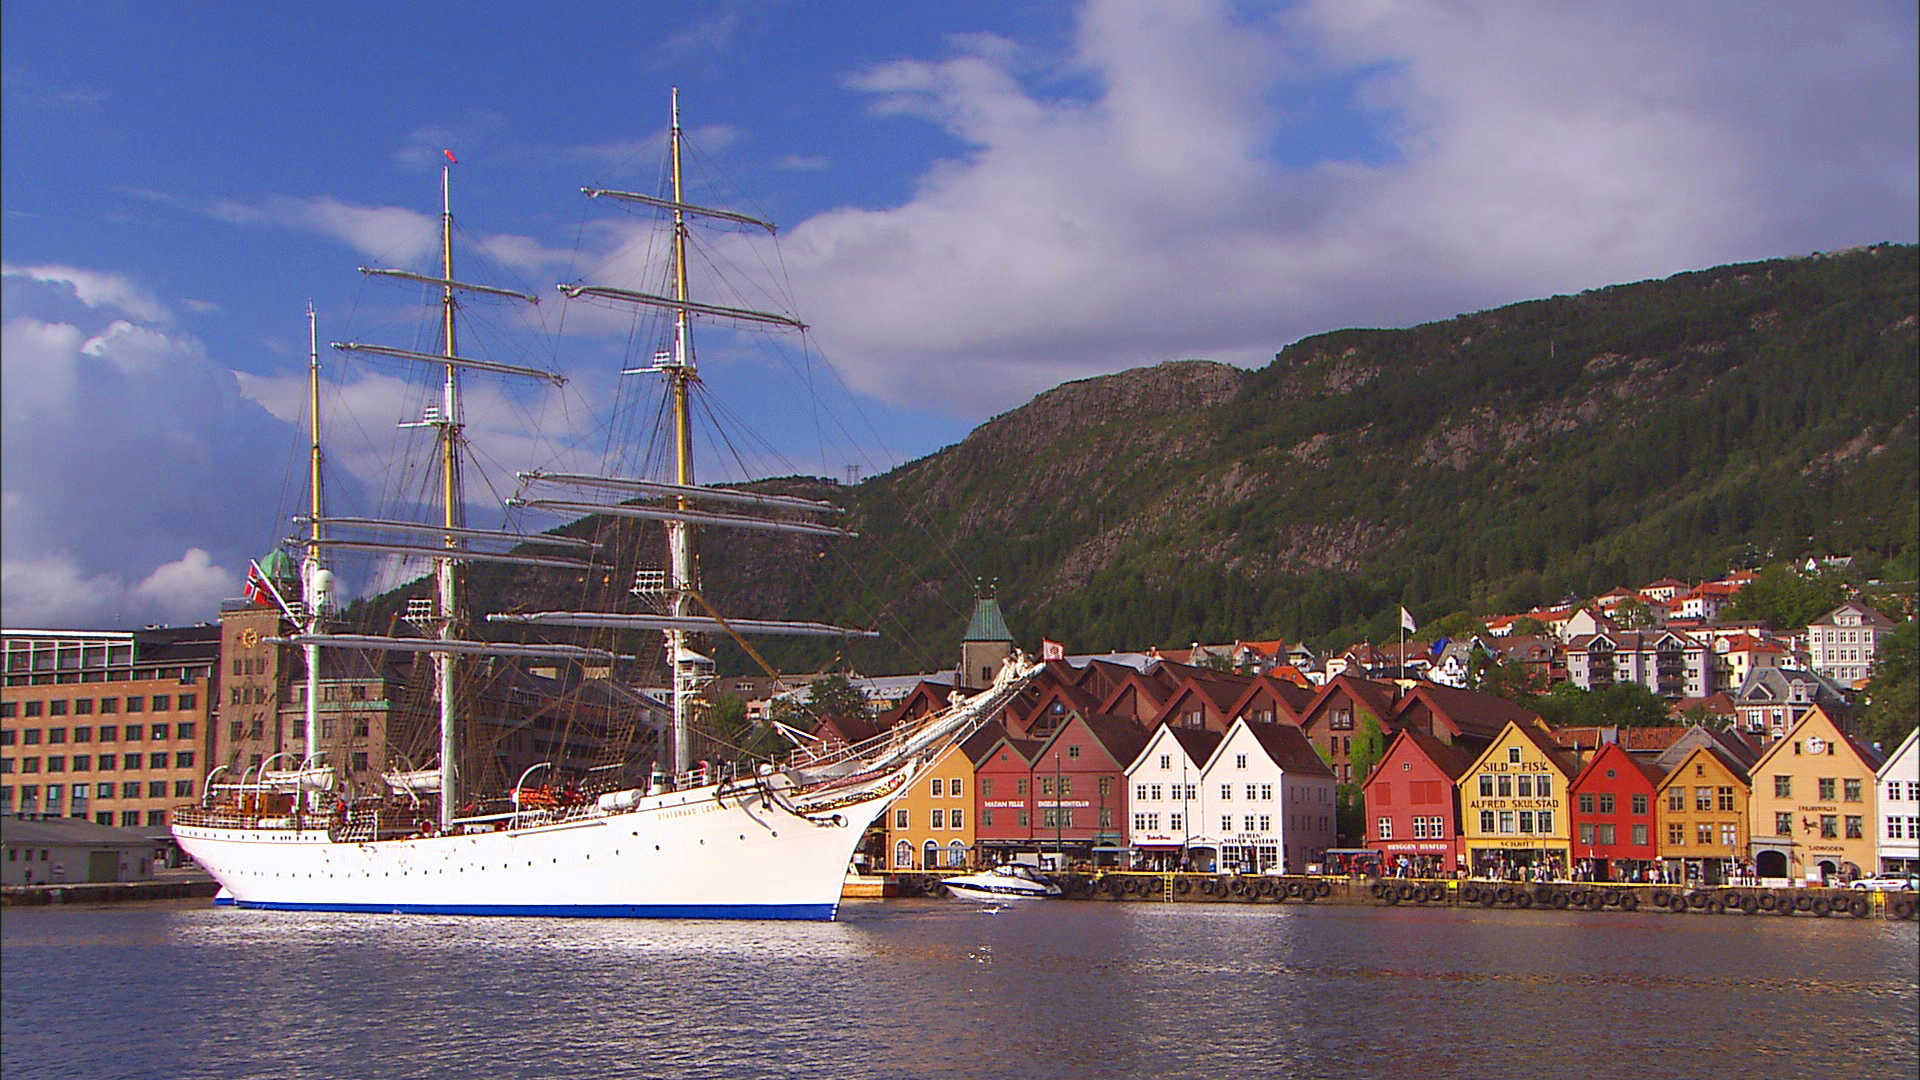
(1702, 804)
(1813, 803)
(1514, 807)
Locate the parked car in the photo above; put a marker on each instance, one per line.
(1886, 883)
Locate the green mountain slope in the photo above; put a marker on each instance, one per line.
(1482, 463)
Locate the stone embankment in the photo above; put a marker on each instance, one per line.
(167, 887)
(1121, 886)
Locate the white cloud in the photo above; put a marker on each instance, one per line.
(383, 232)
(126, 445)
(96, 290)
(1534, 150)
(180, 590)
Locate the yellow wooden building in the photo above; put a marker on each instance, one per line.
(1514, 813)
(1701, 813)
(1812, 805)
(930, 827)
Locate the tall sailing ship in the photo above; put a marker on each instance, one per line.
(759, 839)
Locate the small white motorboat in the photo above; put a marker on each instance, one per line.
(1010, 882)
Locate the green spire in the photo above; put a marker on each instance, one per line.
(988, 624)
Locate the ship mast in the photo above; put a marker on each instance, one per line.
(680, 375)
(682, 597)
(446, 571)
(313, 585)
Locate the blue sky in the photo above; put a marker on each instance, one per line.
(977, 203)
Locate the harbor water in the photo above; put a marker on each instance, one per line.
(942, 988)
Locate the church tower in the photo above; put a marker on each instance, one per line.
(986, 645)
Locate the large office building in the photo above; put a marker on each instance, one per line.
(109, 726)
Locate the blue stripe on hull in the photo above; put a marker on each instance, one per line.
(813, 912)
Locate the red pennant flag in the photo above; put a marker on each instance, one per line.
(1052, 650)
(450, 157)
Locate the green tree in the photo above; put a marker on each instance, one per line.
(835, 696)
(1893, 694)
(1368, 744)
(1633, 614)
(1528, 626)
(1784, 598)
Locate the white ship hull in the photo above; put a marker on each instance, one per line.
(711, 852)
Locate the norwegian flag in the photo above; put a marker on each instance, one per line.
(257, 590)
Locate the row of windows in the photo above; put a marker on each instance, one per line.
(954, 787)
(1911, 828)
(1604, 833)
(106, 732)
(85, 706)
(1046, 786)
(1828, 824)
(1704, 798)
(942, 818)
(1152, 792)
(31, 796)
(182, 759)
(1912, 794)
(1424, 828)
(1603, 803)
(1524, 785)
(1528, 822)
(956, 855)
(129, 819)
(1848, 788)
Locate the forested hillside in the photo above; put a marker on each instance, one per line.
(1483, 463)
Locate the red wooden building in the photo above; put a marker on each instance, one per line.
(1413, 805)
(1613, 815)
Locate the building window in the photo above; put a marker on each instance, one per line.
(1640, 835)
(900, 817)
(1226, 792)
(938, 787)
(183, 789)
(903, 854)
(1783, 787)
(1855, 830)
(937, 819)
(956, 818)
(1830, 826)
(1676, 834)
(1850, 789)
(1385, 826)
(1504, 783)
(1486, 785)
(1586, 803)
(1526, 821)
(1829, 789)
(1486, 821)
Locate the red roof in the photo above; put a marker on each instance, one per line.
(1288, 747)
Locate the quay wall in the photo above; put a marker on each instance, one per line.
(1185, 888)
(108, 892)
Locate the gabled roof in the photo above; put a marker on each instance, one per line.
(1648, 770)
(1219, 693)
(1626, 738)
(981, 743)
(1375, 697)
(1869, 615)
(1677, 770)
(1290, 698)
(1287, 745)
(1867, 755)
(1453, 760)
(1121, 740)
(1197, 744)
(1540, 741)
(1467, 712)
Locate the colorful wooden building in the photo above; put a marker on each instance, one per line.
(1164, 779)
(1812, 803)
(1703, 828)
(1413, 805)
(1514, 812)
(1614, 816)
